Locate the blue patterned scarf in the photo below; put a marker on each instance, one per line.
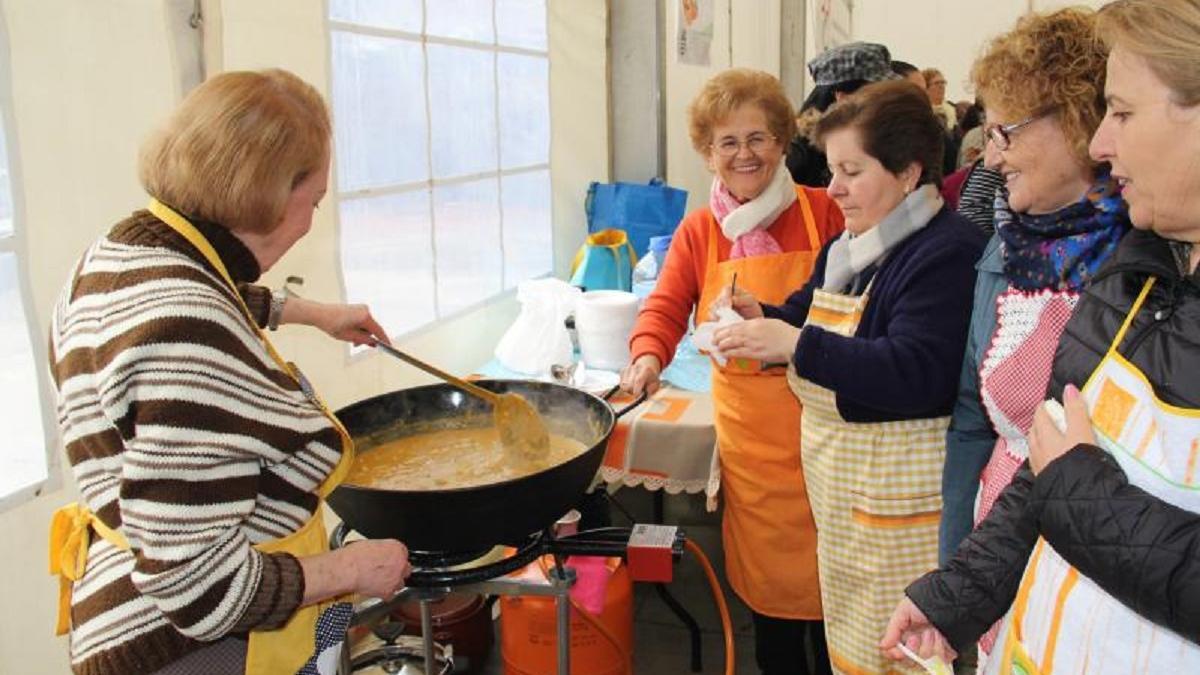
(1062, 250)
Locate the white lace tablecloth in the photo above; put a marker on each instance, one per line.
(667, 443)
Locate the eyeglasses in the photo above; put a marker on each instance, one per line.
(1001, 134)
(756, 143)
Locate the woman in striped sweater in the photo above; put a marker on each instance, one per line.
(201, 458)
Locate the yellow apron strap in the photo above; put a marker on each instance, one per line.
(1137, 305)
(69, 541)
(197, 239)
(1112, 348)
(810, 223)
(289, 648)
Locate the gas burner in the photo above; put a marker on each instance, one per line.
(447, 569)
(436, 573)
(443, 559)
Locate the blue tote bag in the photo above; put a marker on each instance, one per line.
(642, 211)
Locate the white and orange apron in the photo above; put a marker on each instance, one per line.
(285, 650)
(876, 495)
(1061, 621)
(767, 529)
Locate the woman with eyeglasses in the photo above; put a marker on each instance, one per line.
(1058, 218)
(765, 231)
(873, 344)
(1092, 555)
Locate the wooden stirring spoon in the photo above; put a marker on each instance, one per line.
(522, 430)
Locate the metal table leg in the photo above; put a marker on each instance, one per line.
(427, 634)
(663, 592)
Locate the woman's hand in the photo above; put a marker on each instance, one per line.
(1047, 443)
(741, 301)
(373, 567)
(352, 323)
(642, 375)
(909, 623)
(770, 340)
(378, 567)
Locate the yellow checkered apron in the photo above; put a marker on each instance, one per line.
(875, 490)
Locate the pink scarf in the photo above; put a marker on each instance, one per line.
(751, 238)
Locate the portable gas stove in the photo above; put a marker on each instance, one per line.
(650, 551)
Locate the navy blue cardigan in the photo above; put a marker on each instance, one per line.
(904, 360)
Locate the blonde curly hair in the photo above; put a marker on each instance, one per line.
(1049, 63)
(729, 90)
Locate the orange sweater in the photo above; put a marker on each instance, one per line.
(664, 317)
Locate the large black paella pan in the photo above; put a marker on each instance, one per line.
(472, 518)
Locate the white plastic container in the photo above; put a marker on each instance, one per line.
(604, 320)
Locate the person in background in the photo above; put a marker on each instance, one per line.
(970, 134)
(948, 113)
(201, 456)
(1104, 519)
(972, 190)
(1058, 217)
(960, 111)
(837, 72)
(766, 231)
(935, 86)
(909, 72)
(874, 343)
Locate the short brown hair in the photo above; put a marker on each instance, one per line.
(1164, 34)
(236, 147)
(1048, 63)
(731, 89)
(895, 124)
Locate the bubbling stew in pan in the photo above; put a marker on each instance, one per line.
(452, 458)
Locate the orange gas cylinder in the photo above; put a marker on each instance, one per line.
(528, 629)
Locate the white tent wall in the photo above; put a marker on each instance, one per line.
(745, 35)
(88, 80)
(944, 34)
(91, 79)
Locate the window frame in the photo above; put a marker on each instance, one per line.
(428, 185)
(17, 245)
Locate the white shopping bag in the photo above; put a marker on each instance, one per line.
(538, 338)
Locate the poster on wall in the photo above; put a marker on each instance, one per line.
(694, 40)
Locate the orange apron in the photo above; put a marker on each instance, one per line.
(768, 534)
(284, 650)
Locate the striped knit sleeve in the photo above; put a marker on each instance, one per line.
(258, 301)
(180, 375)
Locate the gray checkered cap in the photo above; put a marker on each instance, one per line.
(855, 61)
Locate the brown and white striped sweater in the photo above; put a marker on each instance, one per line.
(186, 437)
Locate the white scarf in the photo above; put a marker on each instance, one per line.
(850, 254)
(763, 209)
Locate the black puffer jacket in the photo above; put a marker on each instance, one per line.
(1140, 549)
